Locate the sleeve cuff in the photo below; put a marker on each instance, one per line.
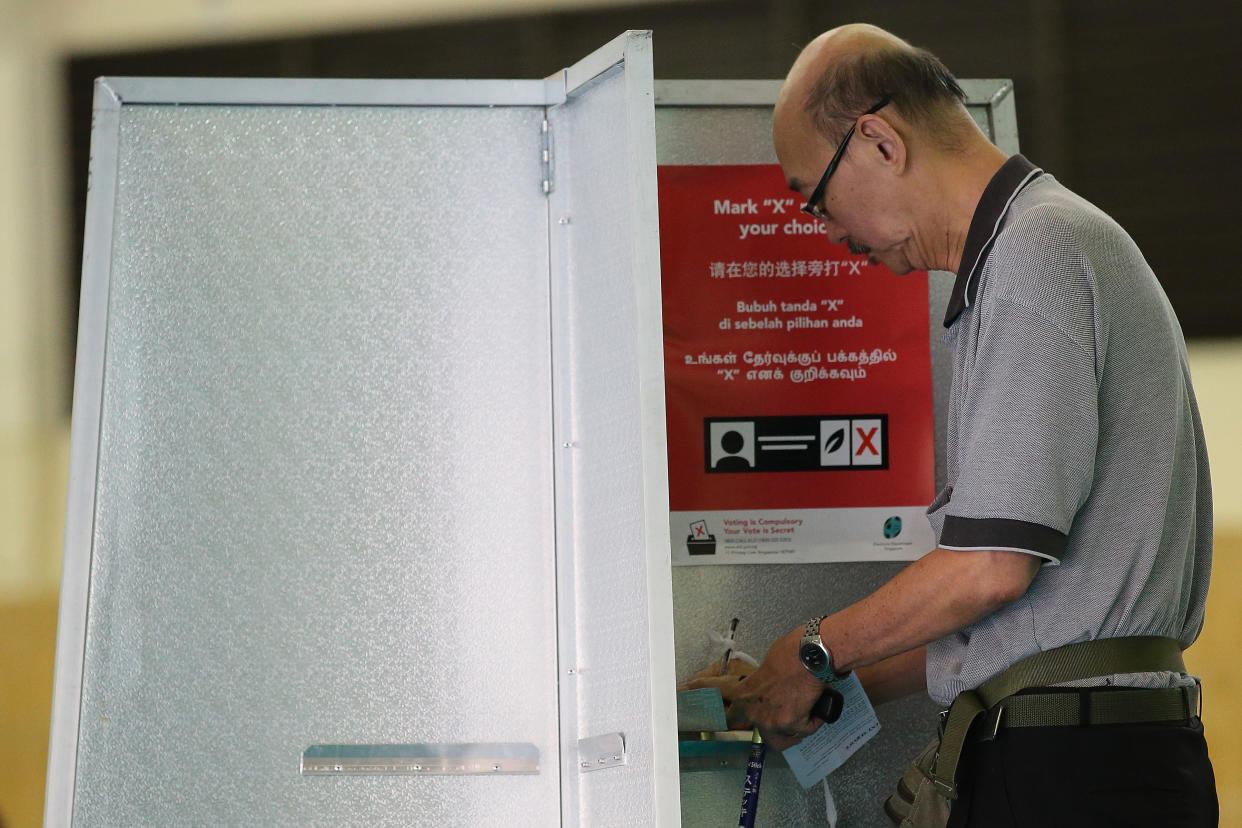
(961, 533)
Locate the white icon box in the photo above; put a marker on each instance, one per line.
(834, 442)
(867, 442)
(733, 443)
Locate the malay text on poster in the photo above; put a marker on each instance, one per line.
(798, 374)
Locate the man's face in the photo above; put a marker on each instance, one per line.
(858, 204)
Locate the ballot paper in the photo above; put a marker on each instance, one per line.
(826, 749)
(701, 709)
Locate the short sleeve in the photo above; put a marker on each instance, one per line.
(1027, 430)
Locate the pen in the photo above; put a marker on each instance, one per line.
(754, 774)
(724, 662)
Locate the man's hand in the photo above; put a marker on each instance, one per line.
(710, 677)
(776, 697)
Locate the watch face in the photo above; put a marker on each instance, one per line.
(813, 657)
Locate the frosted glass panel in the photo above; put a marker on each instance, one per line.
(324, 509)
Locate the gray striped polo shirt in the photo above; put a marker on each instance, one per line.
(1073, 435)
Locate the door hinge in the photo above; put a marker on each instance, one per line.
(599, 752)
(546, 157)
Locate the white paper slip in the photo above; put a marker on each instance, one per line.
(701, 709)
(826, 749)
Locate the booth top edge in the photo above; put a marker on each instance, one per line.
(755, 92)
(113, 92)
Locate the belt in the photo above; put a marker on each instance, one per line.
(1090, 706)
(1073, 662)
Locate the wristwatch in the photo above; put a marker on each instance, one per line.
(814, 656)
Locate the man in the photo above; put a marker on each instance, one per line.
(1078, 504)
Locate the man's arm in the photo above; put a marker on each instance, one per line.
(895, 677)
(938, 594)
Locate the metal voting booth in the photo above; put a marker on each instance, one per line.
(368, 505)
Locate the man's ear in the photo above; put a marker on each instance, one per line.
(887, 144)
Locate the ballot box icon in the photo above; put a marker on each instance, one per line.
(700, 541)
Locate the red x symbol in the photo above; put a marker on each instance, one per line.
(866, 441)
(700, 531)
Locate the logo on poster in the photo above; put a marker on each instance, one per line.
(892, 527)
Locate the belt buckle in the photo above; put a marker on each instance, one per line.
(992, 723)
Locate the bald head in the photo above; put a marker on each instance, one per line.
(847, 70)
(832, 46)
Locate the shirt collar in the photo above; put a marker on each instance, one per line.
(994, 204)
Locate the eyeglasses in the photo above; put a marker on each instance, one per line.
(812, 204)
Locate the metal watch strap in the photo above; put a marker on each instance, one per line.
(811, 635)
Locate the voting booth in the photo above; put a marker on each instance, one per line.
(369, 516)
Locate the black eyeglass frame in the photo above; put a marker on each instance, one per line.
(812, 208)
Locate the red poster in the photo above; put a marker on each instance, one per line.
(798, 374)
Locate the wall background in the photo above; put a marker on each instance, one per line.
(1135, 106)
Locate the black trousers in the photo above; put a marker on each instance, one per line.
(1088, 777)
